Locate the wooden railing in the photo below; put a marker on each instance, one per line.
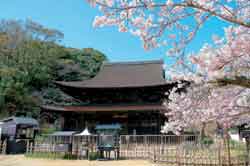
(167, 149)
(83, 145)
(141, 146)
(181, 150)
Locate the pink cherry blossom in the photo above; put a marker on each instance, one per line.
(206, 104)
(170, 16)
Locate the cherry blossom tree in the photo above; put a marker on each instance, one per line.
(203, 104)
(164, 22)
(220, 92)
(219, 72)
(220, 89)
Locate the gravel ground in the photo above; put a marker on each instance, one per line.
(20, 160)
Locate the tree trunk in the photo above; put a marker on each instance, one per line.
(227, 145)
(248, 149)
(202, 132)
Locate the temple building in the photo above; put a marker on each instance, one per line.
(127, 93)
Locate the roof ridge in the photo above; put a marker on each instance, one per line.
(134, 62)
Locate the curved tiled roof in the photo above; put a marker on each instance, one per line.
(21, 120)
(124, 74)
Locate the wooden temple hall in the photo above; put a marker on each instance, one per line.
(128, 93)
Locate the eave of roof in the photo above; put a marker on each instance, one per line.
(120, 86)
(149, 107)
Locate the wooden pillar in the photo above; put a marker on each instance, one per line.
(61, 121)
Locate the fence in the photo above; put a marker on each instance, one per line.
(82, 145)
(167, 149)
(57, 146)
(183, 150)
(139, 146)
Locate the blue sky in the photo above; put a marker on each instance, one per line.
(74, 18)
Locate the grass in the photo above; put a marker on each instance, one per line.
(49, 155)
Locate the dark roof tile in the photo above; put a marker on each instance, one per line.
(124, 74)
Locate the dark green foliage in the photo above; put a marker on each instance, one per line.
(46, 129)
(71, 65)
(207, 141)
(70, 157)
(31, 59)
(93, 155)
(50, 155)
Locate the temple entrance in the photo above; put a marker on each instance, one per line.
(132, 122)
(113, 118)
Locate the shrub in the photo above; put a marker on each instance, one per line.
(207, 141)
(50, 155)
(93, 155)
(47, 129)
(69, 157)
(236, 144)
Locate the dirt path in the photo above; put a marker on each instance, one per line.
(20, 160)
